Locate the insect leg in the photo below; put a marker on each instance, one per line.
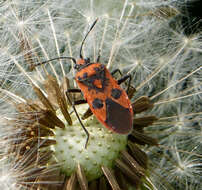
(88, 112)
(124, 78)
(98, 57)
(78, 102)
(116, 71)
(73, 90)
(77, 115)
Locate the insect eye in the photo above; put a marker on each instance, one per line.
(76, 67)
(87, 60)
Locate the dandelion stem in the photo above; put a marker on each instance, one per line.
(123, 28)
(161, 92)
(150, 183)
(13, 96)
(71, 55)
(103, 35)
(56, 42)
(176, 98)
(178, 150)
(160, 68)
(46, 55)
(25, 73)
(181, 115)
(114, 43)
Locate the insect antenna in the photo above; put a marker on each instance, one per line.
(81, 56)
(41, 63)
(73, 59)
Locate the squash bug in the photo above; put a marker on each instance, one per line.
(107, 100)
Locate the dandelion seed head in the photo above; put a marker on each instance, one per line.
(103, 146)
(7, 176)
(185, 168)
(144, 38)
(89, 18)
(6, 182)
(21, 24)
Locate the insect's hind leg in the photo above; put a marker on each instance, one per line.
(130, 89)
(77, 115)
(73, 90)
(78, 102)
(116, 71)
(123, 79)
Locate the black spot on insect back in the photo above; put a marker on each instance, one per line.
(116, 93)
(97, 103)
(85, 75)
(92, 81)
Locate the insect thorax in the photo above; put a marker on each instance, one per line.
(93, 76)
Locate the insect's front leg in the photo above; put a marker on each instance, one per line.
(73, 103)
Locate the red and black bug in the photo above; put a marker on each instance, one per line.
(107, 100)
